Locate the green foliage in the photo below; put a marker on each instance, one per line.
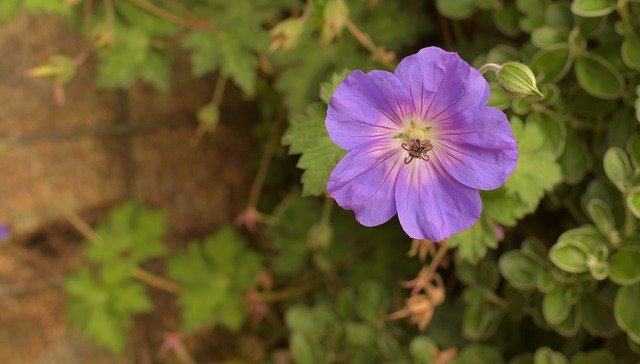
(131, 234)
(215, 275)
(102, 304)
(308, 136)
(537, 171)
(349, 329)
(103, 295)
(549, 271)
(232, 45)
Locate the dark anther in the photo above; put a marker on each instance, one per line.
(417, 149)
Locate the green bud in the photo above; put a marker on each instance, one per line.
(336, 15)
(517, 80)
(286, 34)
(319, 237)
(209, 116)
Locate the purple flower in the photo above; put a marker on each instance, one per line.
(4, 231)
(421, 141)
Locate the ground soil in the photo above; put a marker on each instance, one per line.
(97, 150)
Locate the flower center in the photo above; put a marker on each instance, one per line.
(417, 144)
(417, 149)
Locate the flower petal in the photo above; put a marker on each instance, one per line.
(364, 181)
(366, 106)
(432, 205)
(481, 154)
(442, 85)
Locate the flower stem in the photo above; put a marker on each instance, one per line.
(437, 259)
(493, 67)
(138, 273)
(265, 162)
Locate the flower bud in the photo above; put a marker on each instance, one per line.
(319, 237)
(60, 68)
(336, 15)
(286, 34)
(517, 80)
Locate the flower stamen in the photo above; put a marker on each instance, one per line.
(417, 149)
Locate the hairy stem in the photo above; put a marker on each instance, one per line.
(493, 67)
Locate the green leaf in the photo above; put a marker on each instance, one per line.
(626, 310)
(536, 171)
(131, 234)
(533, 13)
(120, 65)
(102, 311)
(143, 20)
(328, 88)
(552, 64)
(593, 357)
(545, 355)
(301, 349)
(549, 37)
(597, 313)
(633, 148)
(618, 168)
(215, 276)
(290, 236)
(479, 354)
(570, 256)
(157, 70)
(575, 160)
(231, 46)
(360, 335)
(520, 270)
(503, 207)
(506, 20)
(308, 136)
(630, 51)
(555, 307)
(602, 216)
(373, 301)
(633, 201)
(571, 325)
(423, 350)
(593, 8)
(625, 269)
(456, 10)
(9, 9)
(481, 320)
(598, 77)
(472, 243)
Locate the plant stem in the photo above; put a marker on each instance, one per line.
(495, 299)
(437, 259)
(138, 273)
(265, 162)
(489, 67)
(288, 293)
(218, 91)
(366, 41)
(156, 281)
(169, 16)
(325, 217)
